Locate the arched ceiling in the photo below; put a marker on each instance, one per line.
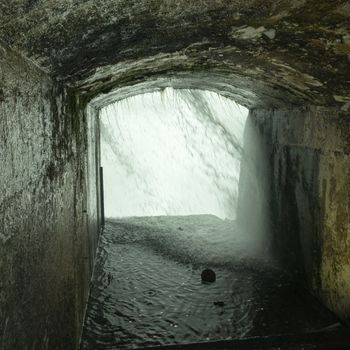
(278, 51)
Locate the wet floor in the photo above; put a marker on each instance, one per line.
(147, 288)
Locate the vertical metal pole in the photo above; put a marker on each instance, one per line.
(102, 198)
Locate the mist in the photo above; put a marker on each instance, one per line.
(174, 152)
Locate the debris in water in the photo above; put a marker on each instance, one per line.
(219, 303)
(208, 275)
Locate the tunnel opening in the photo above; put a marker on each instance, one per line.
(175, 152)
(162, 154)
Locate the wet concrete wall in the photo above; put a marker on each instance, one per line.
(44, 260)
(307, 169)
(263, 54)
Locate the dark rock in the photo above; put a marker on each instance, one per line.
(219, 303)
(208, 276)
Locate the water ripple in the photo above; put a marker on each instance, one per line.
(147, 288)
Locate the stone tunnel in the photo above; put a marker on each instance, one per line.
(288, 62)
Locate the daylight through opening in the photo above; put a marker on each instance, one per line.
(175, 152)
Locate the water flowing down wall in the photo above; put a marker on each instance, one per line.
(175, 152)
(302, 166)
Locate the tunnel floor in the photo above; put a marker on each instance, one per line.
(147, 289)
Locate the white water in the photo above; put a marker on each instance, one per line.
(175, 152)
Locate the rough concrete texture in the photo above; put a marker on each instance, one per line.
(272, 55)
(299, 48)
(308, 157)
(44, 276)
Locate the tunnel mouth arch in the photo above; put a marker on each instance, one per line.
(117, 82)
(107, 86)
(94, 106)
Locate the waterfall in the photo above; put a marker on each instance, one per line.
(174, 152)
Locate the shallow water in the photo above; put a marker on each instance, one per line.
(147, 288)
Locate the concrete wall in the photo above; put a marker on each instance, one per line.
(307, 168)
(95, 210)
(44, 255)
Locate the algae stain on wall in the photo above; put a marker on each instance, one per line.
(335, 263)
